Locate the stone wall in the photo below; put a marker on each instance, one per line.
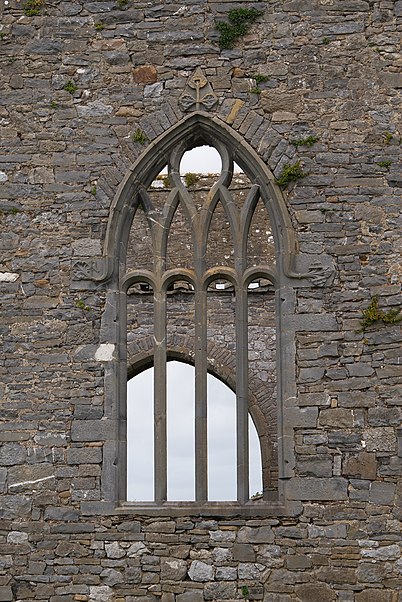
(79, 80)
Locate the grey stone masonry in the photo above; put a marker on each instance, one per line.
(95, 97)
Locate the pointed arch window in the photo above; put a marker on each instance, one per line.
(200, 272)
(200, 279)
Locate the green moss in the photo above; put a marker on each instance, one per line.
(33, 7)
(388, 137)
(165, 180)
(122, 3)
(385, 163)
(139, 137)
(308, 141)
(245, 592)
(93, 190)
(260, 79)
(99, 26)
(373, 314)
(70, 87)
(256, 90)
(82, 305)
(240, 20)
(191, 179)
(53, 104)
(325, 41)
(290, 173)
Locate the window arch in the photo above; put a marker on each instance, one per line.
(147, 282)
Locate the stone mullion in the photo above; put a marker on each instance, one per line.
(242, 394)
(201, 444)
(200, 362)
(160, 371)
(242, 435)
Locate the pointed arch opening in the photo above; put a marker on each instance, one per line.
(225, 316)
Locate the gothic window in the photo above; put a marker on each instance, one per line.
(200, 282)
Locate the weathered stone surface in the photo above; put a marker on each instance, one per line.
(200, 571)
(6, 593)
(338, 417)
(380, 439)
(375, 595)
(310, 488)
(363, 466)
(383, 552)
(219, 591)
(100, 593)
(251, 535)
(176, 570)
(12, 453)
(318, 592)
(94, 109)
(272, 101)
(31, 477)
(147, 74)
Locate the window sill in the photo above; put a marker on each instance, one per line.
(259, 508)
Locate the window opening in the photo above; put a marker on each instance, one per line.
(201, 160)
(181, 452)
(208, 295)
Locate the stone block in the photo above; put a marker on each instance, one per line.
(191, 596)
(296, 562)
(304, 417)
(375, 595)
(226, 573)
(3, 477)
(369, 572)
(15, 506)
(338, 417)
(243, 552)
(392, 552)
(174, 569)
(315, 467)
(12, 453)
(363, 466)
(220, 591)
(336, 575)
(315, 592)
(6, 594)
(327, 532)
(146, 74)
(31, 477)
(381, 439)
(200, 571)
(382, 493)
(253, 535)
(84, 455)
(315, 489)
(61, 513)
(91, 430)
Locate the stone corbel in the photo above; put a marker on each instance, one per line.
(91, 269)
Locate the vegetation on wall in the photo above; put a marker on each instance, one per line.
(307, 141)
(191, 179)
(240, 20)
(373, 314)
(139, 137)
(290, 173)
(33, 7)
